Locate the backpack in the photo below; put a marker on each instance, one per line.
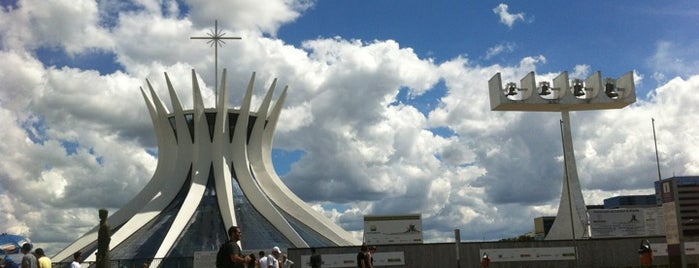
(222, 260)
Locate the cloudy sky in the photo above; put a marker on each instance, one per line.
(387, 113)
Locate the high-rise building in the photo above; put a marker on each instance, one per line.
(214, 171)
(687, 200)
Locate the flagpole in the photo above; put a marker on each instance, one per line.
(657, 159)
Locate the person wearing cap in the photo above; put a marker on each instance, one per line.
(77, 256)
(273, 259)
(28, 260)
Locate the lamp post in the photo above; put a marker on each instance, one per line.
(564, 95)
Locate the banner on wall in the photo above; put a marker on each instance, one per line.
(393, 229)
(394, 258)
(529, 254)
(626, 222)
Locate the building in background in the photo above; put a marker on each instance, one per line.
(631, 201)
(542, 225)
(687, 199)
(620, 216)
(214, 171)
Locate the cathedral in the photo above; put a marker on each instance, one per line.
(214, 171)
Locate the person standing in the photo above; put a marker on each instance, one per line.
(253, 261)
(316, 259)
(42, 260)
(645, 253)
(77, 258)
(485, 262)
(372, 251)
(104, 236)
(28, 260)
(363, 256)
(234, 255)
(273, 259)
(286, 262)
(262, 262)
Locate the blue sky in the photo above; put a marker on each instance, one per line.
(566, 32)
(387, 111)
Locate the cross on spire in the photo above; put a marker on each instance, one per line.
(215, 38)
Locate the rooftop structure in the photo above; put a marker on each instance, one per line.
(631, 201)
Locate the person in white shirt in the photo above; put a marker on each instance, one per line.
(273, 259)
(286, 262)
(77, 256)
(263, 260)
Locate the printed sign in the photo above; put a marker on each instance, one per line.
(399, 229)
(626, 222)
(350, 260)
(529, 254)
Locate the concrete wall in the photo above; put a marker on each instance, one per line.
(618, 252)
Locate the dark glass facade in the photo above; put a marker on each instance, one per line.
(258, 232)
(144, 243)
(205, 230)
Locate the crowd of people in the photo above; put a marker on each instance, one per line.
(234, 258)
(34, 259)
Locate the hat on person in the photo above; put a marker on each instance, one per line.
(276, 250)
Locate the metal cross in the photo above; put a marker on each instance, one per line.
(215, 38)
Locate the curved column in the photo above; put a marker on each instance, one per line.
(153, 189)
(224, 184)
(201, 165)
(261, 162)
(241, 165)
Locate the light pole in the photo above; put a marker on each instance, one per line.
(564, 95)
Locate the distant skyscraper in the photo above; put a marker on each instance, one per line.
(214, 171)
(686, 196)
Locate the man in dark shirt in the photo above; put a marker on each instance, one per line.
(363, 257)
(236, 257)
(316, 259)
(28, 260)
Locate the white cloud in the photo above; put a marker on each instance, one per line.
(248, 14)
(69, 25)
(581, 71)
(499, 49)
(673, 59)
(506, 17)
